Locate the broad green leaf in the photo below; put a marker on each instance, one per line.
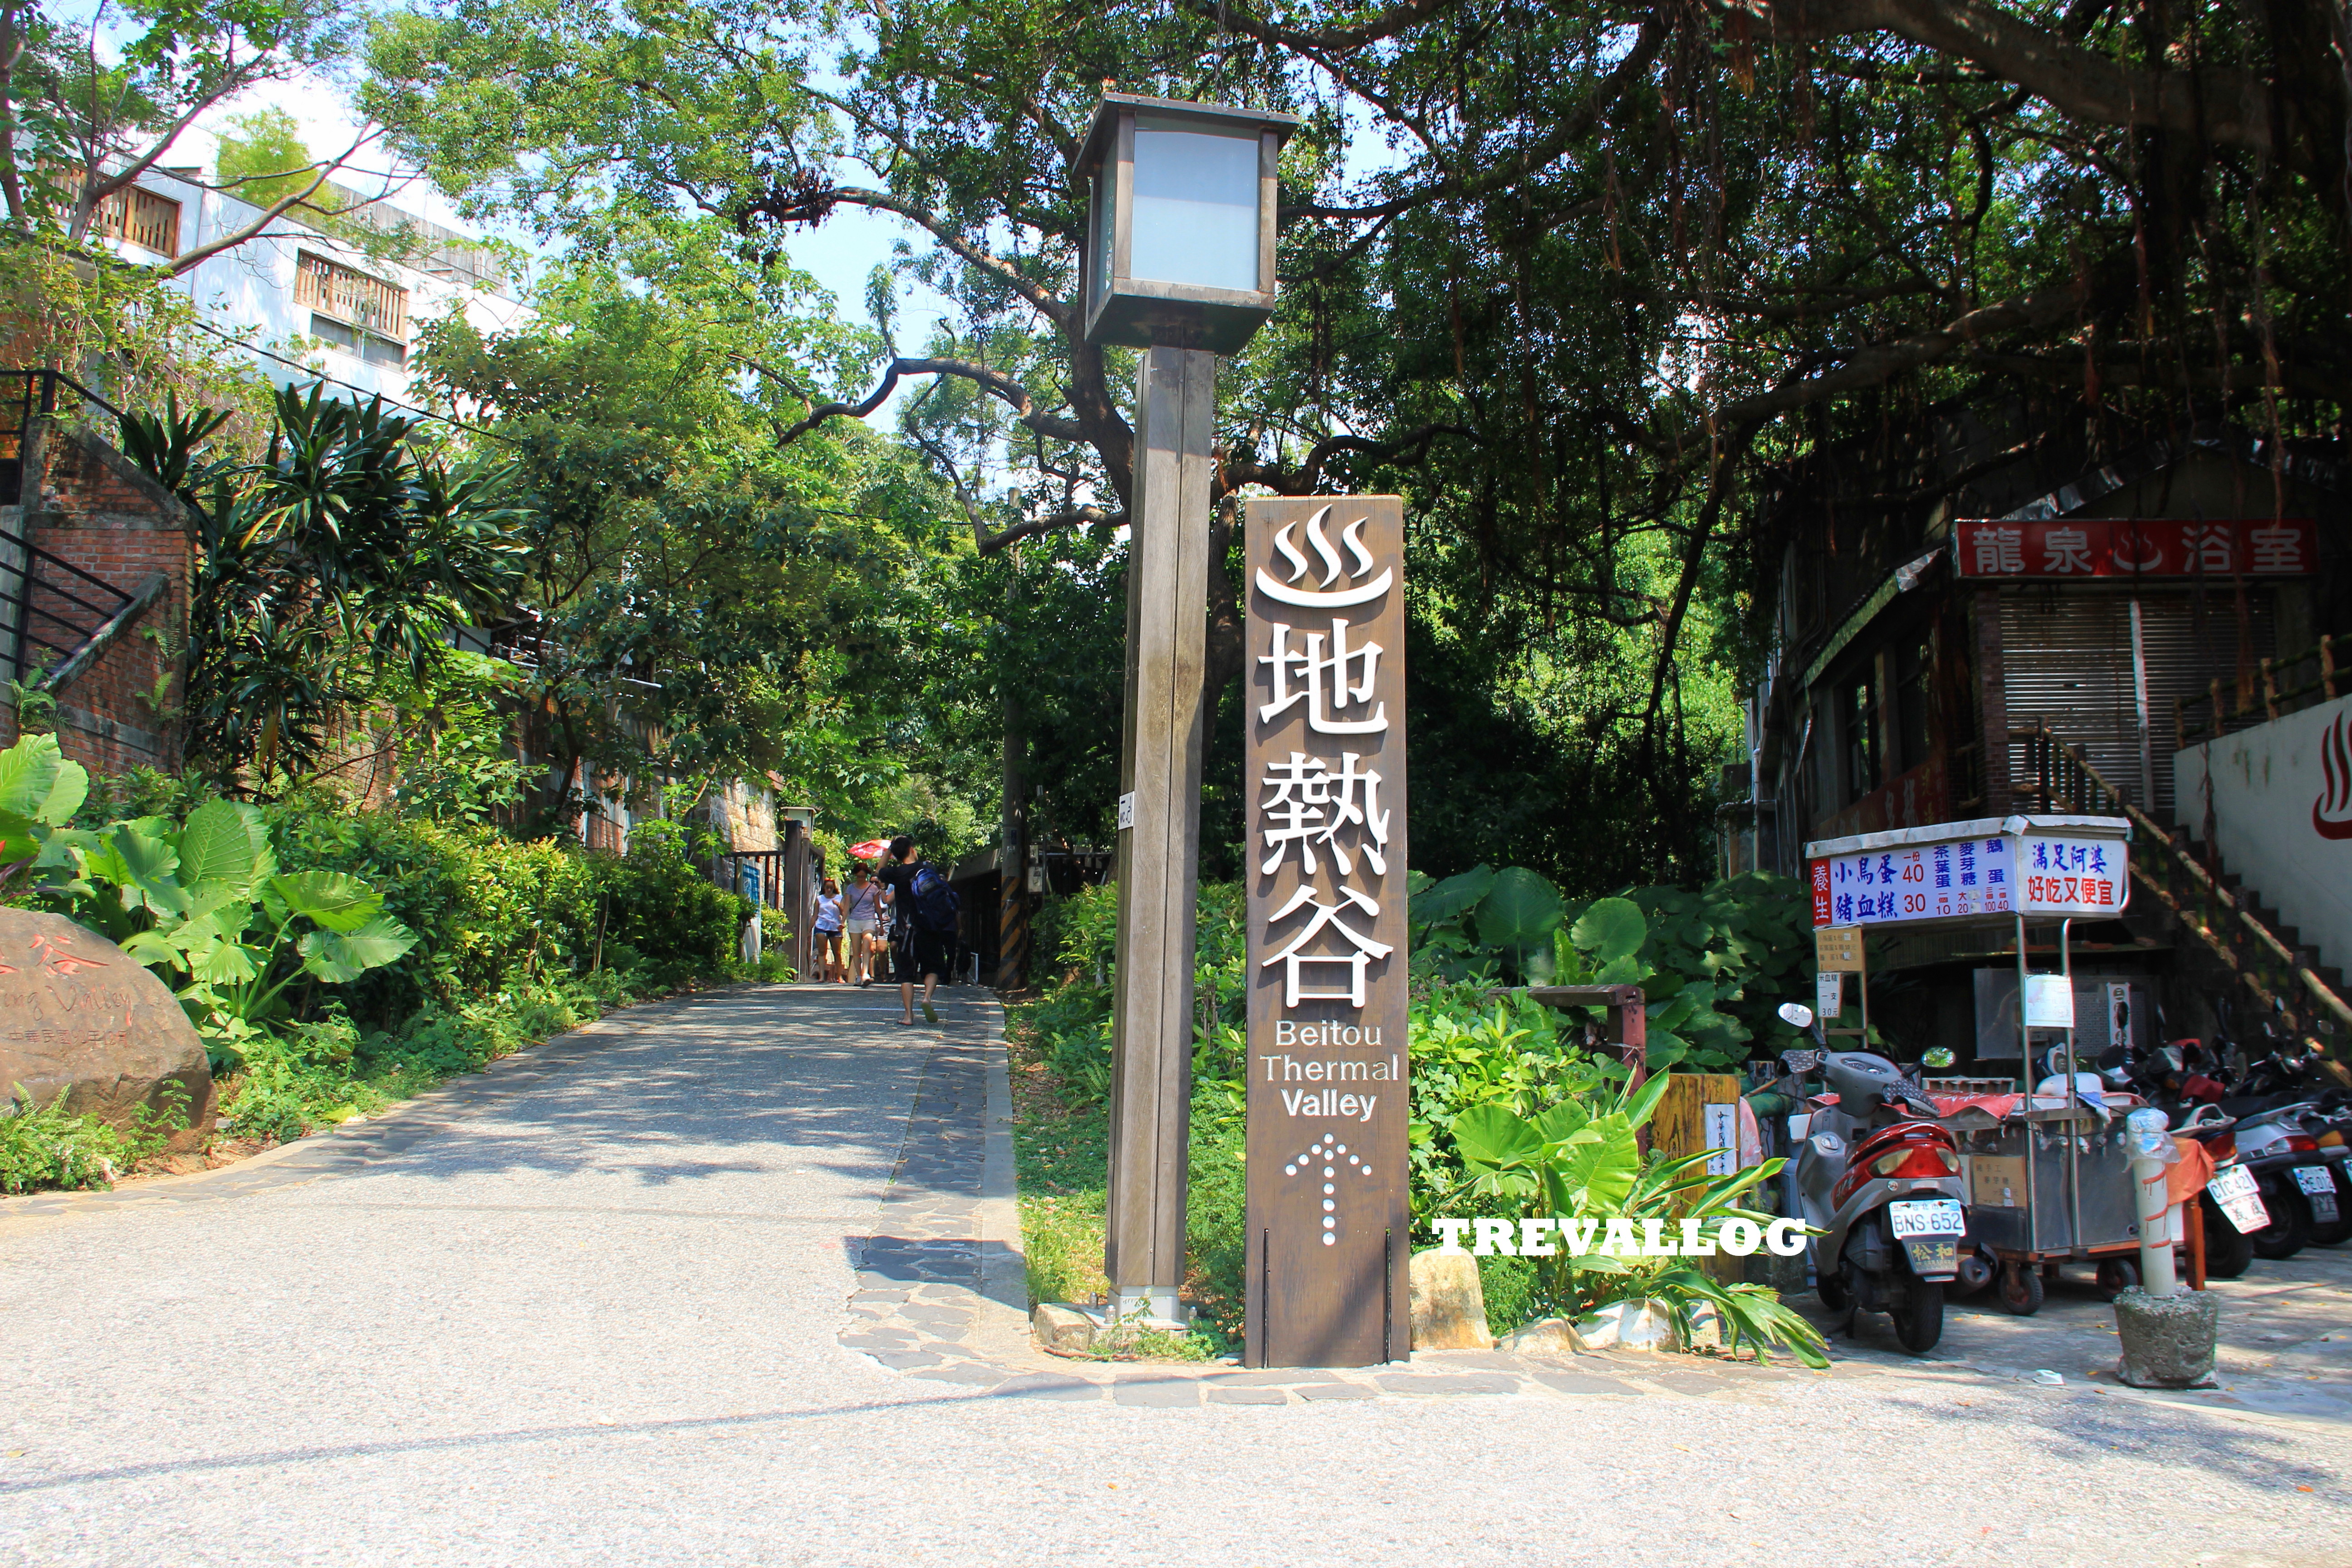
(20, 838)
(1451, 898)
(337, 956)
(330, 899)
(224, 842)
(1491, 1135)
(1596, 1169)
(37, 782)
(145, 867)
(225, 964)
(1640, 1108)
(1610, 930)
(1519, 910)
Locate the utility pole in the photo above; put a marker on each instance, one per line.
(1158, 850)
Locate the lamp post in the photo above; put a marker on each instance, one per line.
(1179, 263)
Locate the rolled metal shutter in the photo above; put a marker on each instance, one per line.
(2066, 661)
(2189, 645)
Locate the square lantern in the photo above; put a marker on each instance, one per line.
(1180, 222)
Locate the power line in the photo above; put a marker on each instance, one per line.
(316, 374)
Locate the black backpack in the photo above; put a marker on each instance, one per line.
(936, 903)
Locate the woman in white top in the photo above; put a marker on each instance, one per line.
(828, 931)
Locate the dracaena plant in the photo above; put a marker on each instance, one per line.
(1580, 1160)
(202, 903)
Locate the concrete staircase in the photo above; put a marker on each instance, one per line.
(2229, 940)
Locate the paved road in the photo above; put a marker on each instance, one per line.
(587, 1308)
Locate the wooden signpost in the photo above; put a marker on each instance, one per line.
(1328, 1222)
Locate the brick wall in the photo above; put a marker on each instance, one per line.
(89, 506)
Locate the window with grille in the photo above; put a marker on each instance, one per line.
(143, 218)
(354, 311)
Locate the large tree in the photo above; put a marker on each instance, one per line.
(1592, 284)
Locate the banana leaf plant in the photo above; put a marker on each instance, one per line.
(39, 792)
(203, 904)
(1580, 1160)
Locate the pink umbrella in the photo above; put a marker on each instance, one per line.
(872, 849)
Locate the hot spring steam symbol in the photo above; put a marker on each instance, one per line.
(2331, 813)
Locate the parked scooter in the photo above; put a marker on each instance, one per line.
(2264, 1146)
(1879, 1181)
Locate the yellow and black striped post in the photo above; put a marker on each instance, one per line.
(1011, 923)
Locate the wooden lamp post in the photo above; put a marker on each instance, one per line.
(1179, 262)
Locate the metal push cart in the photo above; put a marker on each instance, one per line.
(2050, 1183)
(2050, 1178)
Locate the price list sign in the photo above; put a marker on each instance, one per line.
(1329, 1228)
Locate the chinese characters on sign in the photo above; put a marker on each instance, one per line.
(1991, 873)
(2071, 876)
(1327, 1221)
(2129, 547)
(1913, 882)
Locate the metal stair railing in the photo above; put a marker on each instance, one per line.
(2058, 777)
(27, 396)
(31, 582)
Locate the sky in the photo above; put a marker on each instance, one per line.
(839, 254)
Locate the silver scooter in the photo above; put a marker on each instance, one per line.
(1878, 1178)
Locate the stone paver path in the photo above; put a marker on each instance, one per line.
(736, 1279)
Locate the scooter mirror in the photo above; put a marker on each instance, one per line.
(1796, 1015)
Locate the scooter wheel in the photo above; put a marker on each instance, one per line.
(2117, 1275)
(2229, 1252)
(2020, 1289)
(1919, 1323)
(2289, 1231)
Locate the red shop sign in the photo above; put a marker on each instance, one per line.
(2137, 547)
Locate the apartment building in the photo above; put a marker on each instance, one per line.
(341, 299)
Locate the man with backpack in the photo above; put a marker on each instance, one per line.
(923, 909)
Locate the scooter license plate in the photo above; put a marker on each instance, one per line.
(1927, 1216)
(2241, 1197)
(2318, 1184)
(1933, 1256)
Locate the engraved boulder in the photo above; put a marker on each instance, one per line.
(79, 1014)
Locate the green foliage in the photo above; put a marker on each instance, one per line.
(1470, 1049)
(328, 573)
(202, 902)
(456, 764)
(261, 157)
(39, 790)
(1579, 1160)
(47, 1146)
(1713, 965)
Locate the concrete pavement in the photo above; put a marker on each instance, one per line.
(591, 1306)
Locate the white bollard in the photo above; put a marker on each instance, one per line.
(2159, 1223)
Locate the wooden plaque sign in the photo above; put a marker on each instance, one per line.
(1329, 1228)
(1837, 949)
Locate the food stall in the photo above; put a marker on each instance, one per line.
(2048, 1173)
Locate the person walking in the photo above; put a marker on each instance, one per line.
(828, 931)
(923, 909)
(861, 913)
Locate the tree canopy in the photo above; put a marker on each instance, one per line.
(1599, 288)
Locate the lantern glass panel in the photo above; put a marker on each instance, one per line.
(1195, 206)
(1097, 239)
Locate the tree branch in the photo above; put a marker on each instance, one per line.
(2215, 103)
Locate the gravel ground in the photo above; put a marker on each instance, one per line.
(584, 1308)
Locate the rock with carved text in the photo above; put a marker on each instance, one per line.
(79, 1014)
